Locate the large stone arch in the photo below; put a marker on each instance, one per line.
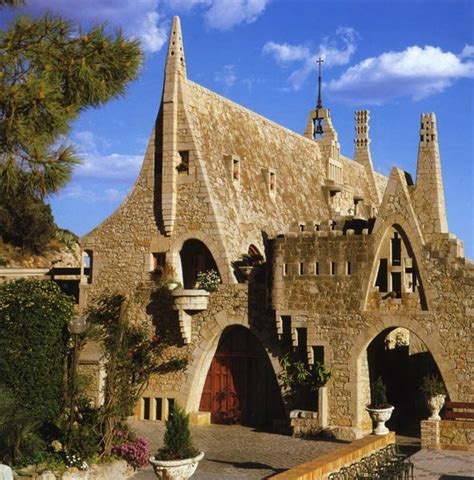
(190, 393)
(414, 241)
(358, 382)
(219, 257)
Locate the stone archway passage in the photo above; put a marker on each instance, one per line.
(240, 386)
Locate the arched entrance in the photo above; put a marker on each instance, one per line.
(240, 386)
(195, 258)
(401, 359)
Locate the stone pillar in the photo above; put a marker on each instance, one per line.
(323, 407)
(430, 434)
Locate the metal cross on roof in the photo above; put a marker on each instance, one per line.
(319, 61)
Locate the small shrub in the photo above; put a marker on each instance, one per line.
(432, 385)
(378, 392)
(178, 442)
(135, 452)
(208, 280)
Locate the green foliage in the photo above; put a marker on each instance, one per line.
(49, 73)
(208, 280)
(26, 221)
(378, 394)
(297, 374)
(18, 430)
(132, 354)
(33, 319)
(66, 237)
(177, 440)
(432, 385)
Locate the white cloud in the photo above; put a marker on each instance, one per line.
(284, 52)
(334, 51)
(90, 195)
(225, 14)
(104, 167)
(226, 76)
(186, 5)
(109, 167)
(417, 72)
(467, 51)
(138, 19)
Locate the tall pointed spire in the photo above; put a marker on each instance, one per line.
(362, 153)
(319, 104)
(175, 60)
(175, 76)
(429, 193)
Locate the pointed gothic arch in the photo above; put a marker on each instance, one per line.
(358, 367)
(413, 242)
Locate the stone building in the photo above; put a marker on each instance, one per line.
(349, 255)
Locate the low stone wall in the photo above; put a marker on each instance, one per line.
(119, 470)
(447, 435)
(331, 462)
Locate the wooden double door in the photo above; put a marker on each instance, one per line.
(240, 386)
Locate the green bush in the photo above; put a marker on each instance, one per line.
(33, 322)
(178, 442)
(26, 221)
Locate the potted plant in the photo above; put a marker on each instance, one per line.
(247, 262)
(208, 280)
(178, 459)
(434, 391)
(166, 275)
(379, 409)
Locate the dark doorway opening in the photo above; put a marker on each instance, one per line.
(402, 360)
(240, 386)
(195, 258)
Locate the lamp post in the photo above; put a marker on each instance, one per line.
(76, 326)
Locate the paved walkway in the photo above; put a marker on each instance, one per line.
(236, 453)
(240, 453)
(445, 465)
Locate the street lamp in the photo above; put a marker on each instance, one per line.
(76, 326)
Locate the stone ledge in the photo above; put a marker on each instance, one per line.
(333, 461)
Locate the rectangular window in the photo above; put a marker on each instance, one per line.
(396, 249)
(302, 227)
(317, 227)
(183, 166)
(333, 268)
(382, 279)
(316, 268)
(318, 353)
(397, 284)
(286, 320)
(302, 336)
(348, 268)
(285, 269)
(272, 182)
(235, 169)
(301, 268)
(158, 408)
(159, 260)
(146, 408)
(170, 405)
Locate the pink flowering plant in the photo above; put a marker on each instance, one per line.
(135, 452)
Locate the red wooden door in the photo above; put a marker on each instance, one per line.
(239, 386)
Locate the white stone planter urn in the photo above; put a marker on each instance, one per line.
(379, 416)
(175, 469)
(435, 404)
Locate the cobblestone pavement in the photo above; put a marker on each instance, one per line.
(241, 453)
(236, 452)
(446, 465)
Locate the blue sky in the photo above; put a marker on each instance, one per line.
(397, 58)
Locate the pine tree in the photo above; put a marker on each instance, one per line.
(50, 71)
